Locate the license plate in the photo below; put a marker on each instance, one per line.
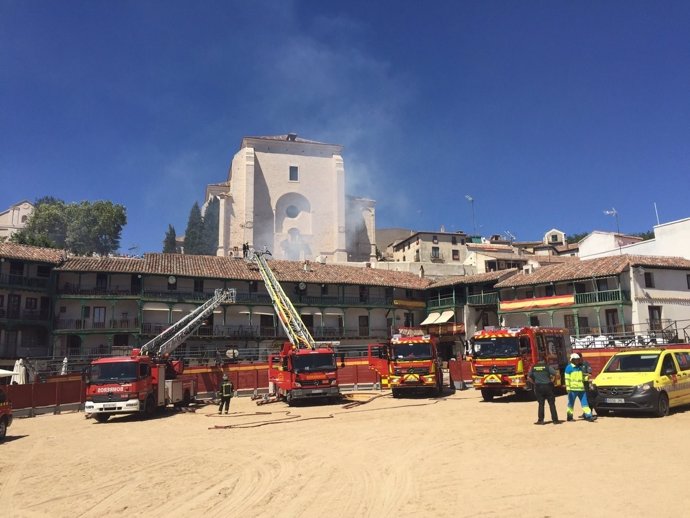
(615, 400)
(317, 391)
(109, 407)
(492, 380)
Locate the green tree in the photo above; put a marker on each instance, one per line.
(83, 228)
(210, 227)
(575, 238)
(170, 241)
(193, 244)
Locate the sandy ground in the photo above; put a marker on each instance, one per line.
(455, 456)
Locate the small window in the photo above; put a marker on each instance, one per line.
(435, 252)
(86, 312)
(648, 280)
(534, 321)
(434, 239)
(668, 366)
(549, 290)
(198, 285)
(292, 211)
(364, 293)
(453, 240)
(687, 280)
(554, 238)
(253, 287)
(294, 173)
(602, 285)
(456, 255)
(529, 294)
(683, 359)
(408, 294)
(31, 303)
(42, 271)
(324, 289)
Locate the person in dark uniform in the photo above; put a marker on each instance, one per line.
(542, 376)
(226, 393)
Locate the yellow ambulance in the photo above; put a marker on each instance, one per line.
(646, 380)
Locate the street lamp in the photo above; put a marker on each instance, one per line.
(613, 212)
(471, 200)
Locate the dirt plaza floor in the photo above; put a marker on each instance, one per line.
(452, 456)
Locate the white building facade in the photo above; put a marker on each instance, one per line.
(288, 194)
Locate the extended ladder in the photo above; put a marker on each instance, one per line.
(173, 336)
(295, 329)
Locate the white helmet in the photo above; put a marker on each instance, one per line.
(575, 356)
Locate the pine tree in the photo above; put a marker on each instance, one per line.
(170, 241)
(210, 228)
(193, 244)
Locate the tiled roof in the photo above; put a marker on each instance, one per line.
(31, 253)
(205, 266)
(478, 278)
(102, 264)
(599, 267)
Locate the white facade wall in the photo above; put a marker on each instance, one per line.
(15, 218)
(301, 219)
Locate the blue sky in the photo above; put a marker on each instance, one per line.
(546, 113)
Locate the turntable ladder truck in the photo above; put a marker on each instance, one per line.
(147, 379)
(303, 369)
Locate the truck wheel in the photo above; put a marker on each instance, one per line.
(186, 399)
(662, 407)
(395, 393)
(487, 395)
(3, 428)
(150, 407)
(289, 399)
(101, 418)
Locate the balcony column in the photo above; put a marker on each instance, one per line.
(113, 315)
(598, 312)
(577, 323)
(621, 314)
(551, 318)
(170, 313)
(82, 320)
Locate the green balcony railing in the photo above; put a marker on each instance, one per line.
(442, 302)
(483, 299)
(598, 297)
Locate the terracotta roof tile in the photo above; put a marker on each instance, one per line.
(478, 278)
(31, 253)
(599, 267)
(102, 264)
(206, 266)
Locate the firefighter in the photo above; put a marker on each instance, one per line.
(575, 386)
(226, 393)
(542, 376)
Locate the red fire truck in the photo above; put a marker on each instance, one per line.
(408, 363)
(147, 380)
(5, 414)
(303, 369)
(296, 374)
(502, 358)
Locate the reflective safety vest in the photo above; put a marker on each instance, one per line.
(226, 389)
(574, 378)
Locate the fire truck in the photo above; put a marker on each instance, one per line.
(5, 414)
(147, 379)
(303, 368)
(408, 363)
(502, 358)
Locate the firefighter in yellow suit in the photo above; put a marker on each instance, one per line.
(226, 393)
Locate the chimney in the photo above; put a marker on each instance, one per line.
(306, 266)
